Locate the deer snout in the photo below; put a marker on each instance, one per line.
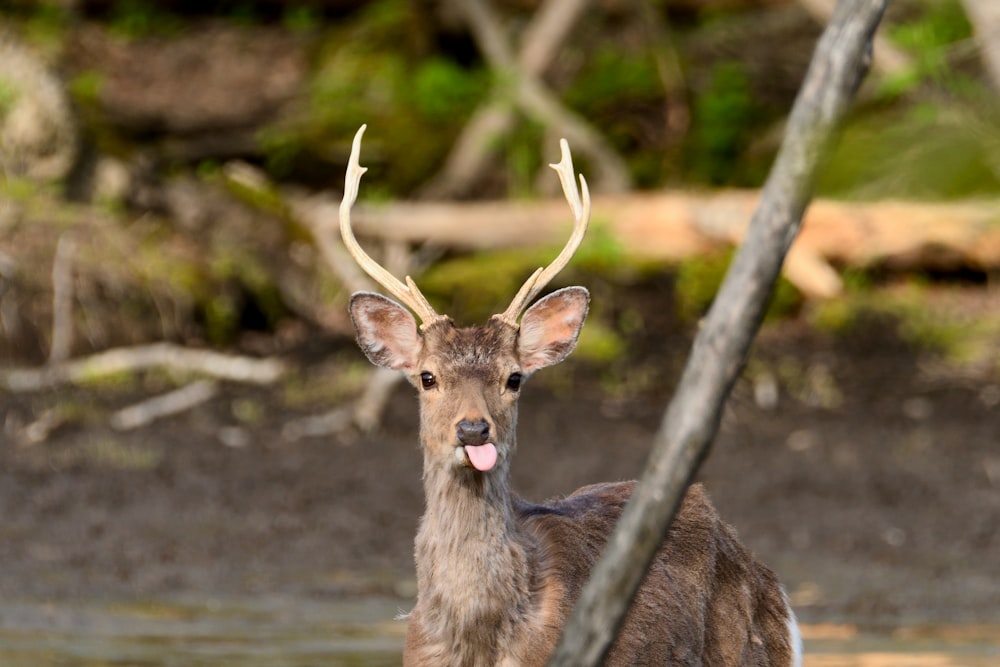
(473, 433)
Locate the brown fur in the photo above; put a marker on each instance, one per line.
(497, 576)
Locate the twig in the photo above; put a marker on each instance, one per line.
(985, 18)
(132, 359)
(491, 121)
(371, 404)
(841, 59)
(531, 95)
(172, 403)
(62, 299)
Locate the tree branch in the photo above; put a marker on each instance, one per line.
(494, 118)
(142, 357)
(529, 93)
(839, 63)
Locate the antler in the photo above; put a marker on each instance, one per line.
(408, 292)
(581, 212)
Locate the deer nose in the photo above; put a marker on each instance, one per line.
(473, 432)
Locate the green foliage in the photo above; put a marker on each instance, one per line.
(722, 117)
(301, 19)
(118, 454)
(609, 77)
(8, 97)
(338, 380)
(949, 331)
(919, 152)
(929, 38)
(135, 19)
(699, 280)
(85, 88)
(612, 90)
(45, 27)
(18, 189)
(442, 91)
(366, 73)
(475, 286)
(599, 343)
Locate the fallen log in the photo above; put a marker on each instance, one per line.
(673, 226)
(140, 358)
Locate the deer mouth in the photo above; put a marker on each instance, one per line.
(481, 457)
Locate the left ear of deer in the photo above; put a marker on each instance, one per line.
(551, 327)
(387, 332)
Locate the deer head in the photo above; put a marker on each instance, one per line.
(468, 378)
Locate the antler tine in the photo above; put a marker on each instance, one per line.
(581, 212)
(408, 292)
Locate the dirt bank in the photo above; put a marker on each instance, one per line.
(870, 483)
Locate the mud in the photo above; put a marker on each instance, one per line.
(870, 480)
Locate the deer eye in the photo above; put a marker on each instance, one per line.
(427, 380)
(514, 381)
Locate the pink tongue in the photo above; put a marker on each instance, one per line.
(483, 457)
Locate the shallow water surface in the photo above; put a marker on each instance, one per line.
(272, 632)
(359, 632)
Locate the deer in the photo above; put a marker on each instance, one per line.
(497, 576)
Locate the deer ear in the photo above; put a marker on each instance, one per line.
(387, 332)
(550, 328)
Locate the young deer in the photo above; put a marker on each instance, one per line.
(497, 576)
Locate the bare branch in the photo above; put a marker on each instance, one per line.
(531, 95)
(984, 15)
(168, 404)
(143, 357)
(470, 153)
(62, 299)
(841, 59)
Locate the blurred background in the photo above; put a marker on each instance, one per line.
(197, 465)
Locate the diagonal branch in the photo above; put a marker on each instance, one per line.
(519, 85)
(839, 63)
(471, 151)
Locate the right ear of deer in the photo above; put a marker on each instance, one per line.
(581, 213)
(407, 293)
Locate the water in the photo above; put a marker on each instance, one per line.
(297, 632)
(259, 632)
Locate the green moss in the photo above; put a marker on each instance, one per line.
(369, 70)
(46, 25)
(301, 20)
(334, 382)
(114, 453)
(116, 381)
(442, 91)
(18, 189)
(599, 343)
(473, 287)
(952, 334)
(699, 280)
(723, 116)
(940, 27)
(8, 97)
(85, 87)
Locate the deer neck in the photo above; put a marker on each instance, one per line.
(474, 566)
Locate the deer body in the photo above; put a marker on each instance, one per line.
(497, 576)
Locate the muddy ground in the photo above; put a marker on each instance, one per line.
(871, 484)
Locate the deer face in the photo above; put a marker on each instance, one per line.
(469, 379)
